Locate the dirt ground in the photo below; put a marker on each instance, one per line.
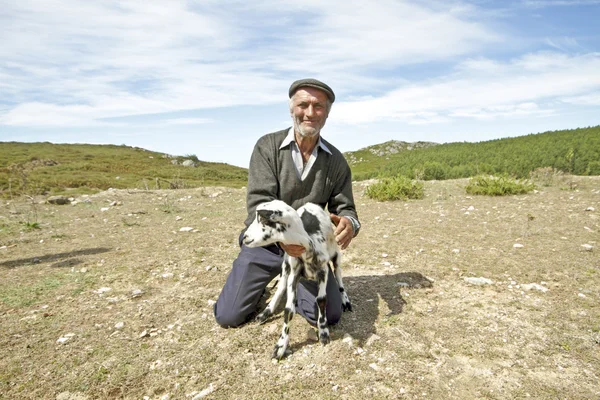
(110, 298)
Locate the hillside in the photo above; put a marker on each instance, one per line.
(575, 151)
(55, 168)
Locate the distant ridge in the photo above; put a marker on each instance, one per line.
(48, 168)
(387, 148)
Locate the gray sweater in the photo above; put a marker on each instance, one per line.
(272, 175)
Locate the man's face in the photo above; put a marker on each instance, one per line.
(309, 111)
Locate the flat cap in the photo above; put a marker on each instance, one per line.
(314, 84)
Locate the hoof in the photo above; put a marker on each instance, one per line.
(263, 316)
(347, 307)
(279, 352)
(324, 338)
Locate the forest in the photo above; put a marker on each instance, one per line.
(574, 151)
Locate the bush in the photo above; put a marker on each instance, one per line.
(398, 188)
(593, 168)
(546, 176)
(434, 170)
(498, 186)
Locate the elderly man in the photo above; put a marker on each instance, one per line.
(298, 166)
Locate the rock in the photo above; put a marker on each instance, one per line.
(102, 290)
(188, 163)
(71, 396)
(518, 246)
(204, 393)
(530, 286)
(136, 293)
(59, 200)
(119, 325)
(65, 338)
(347, 339)
(478, 281)
(590, 209)
(372, 339)
(186, 229)
(587, 247)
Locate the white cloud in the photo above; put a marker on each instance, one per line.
(188, 121)
(74, 63)
(591, 99)
(553, 3)
(485, 89)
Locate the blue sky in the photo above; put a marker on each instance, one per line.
(210, 77)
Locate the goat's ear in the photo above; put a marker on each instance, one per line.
(265, 214)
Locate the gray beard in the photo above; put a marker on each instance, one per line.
(298, 128)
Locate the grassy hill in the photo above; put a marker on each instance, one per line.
(58, 168)
(34, 168)
(574, 151)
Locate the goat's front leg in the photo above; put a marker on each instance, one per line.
(336, 260)
(288, 314)
(281, 286)
(322, 303)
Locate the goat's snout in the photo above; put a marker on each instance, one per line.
(246, 240)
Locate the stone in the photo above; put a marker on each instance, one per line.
(478, 281)
(58, 200)
(534, 286)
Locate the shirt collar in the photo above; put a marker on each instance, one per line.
(291, 138)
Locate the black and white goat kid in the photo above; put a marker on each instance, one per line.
(312, 228)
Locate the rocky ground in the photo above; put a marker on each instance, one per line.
(454, 297)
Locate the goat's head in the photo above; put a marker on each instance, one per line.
(275, 222)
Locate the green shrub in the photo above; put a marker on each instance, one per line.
(498, 186)
(433, 170)
(546, 176)
(593, 168)
(398, 188)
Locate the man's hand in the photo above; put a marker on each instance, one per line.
(343, 230)
(293, 250)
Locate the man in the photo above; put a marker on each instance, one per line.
(298, 166)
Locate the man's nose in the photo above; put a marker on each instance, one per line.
(310, 111)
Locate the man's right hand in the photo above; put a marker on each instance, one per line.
(293, 250)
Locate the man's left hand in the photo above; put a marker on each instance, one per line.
(343, 230)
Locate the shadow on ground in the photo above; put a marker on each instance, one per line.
(369, 293)
(59, 260)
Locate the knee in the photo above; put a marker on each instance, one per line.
(334, 316)
(228, 319)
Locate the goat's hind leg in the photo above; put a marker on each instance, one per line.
(281, 286)
(336, 260)
(322, 304)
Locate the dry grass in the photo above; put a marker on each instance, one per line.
(451, 340)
